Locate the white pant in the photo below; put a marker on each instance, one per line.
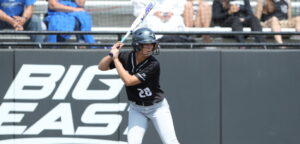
(161, 118)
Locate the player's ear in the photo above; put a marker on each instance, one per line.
(154, 46)
(156, 49)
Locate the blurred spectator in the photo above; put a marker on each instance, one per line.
(68, 15)
(197, 13)
(236, 14)
(165, 16)
(17, 15)
(277, 14)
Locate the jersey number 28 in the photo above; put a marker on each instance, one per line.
(144, 92)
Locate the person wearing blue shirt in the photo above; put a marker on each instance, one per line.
(68, 15)
(17, 15)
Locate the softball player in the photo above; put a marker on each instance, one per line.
(140, 72)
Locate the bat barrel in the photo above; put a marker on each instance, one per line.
(139, 20)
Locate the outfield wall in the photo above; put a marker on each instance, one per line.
(216, 97)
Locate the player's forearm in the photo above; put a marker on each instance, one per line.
(6, 18)
(128, 79)
(259, 9)
(104, 63)
(28, 12)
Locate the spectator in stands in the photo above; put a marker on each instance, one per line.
(197, 13)
(68, 15)
(165, 16)
(236, 14)
(17, 15)
(277, 14)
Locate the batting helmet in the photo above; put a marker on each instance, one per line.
(143, 36)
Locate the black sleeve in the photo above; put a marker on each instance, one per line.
(112, 65)
(121, 57)
(248, 9)
(148, 73)
(218, 11)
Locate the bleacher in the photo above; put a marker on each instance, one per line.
(117, 15)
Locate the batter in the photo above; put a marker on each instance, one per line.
(140, 73)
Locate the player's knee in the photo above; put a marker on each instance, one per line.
(134, 141)
(172, 141)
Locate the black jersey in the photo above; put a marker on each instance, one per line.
(281, 10)
(220, 13)
(148, 72)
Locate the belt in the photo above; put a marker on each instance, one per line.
(145, 103)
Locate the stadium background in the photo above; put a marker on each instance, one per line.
(116, 16)
(217, 96)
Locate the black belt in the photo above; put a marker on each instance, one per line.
(145, 103)
(142, 103)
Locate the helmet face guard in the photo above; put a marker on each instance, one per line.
(144, 36)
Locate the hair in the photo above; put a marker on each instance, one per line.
(269, 7)
(225, 4)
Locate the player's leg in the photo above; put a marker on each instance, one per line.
(203, 18)
(237, 25)
(274, 24)
(35, 24)
(188, 14)
(296, 23)
(137, 125)
(5, 25)
(255, 25)
(204, 15)
(163, 123)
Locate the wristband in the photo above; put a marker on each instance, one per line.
(111, 54)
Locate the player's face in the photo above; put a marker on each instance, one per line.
(147, 49)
